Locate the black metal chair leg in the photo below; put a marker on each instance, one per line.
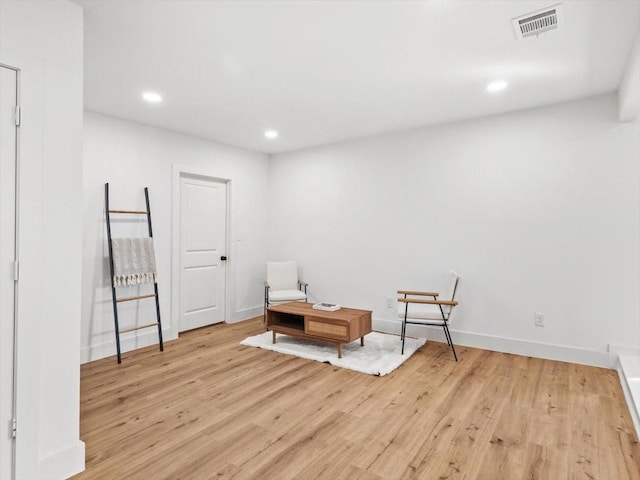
(402, 350)
(266, 304)
(448, 335)
(404, 327)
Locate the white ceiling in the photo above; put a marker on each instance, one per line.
(324, 71)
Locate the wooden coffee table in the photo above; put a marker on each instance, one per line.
(301, 320)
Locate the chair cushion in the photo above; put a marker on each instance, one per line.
(421, 311)
(286, 295)
(282, 275)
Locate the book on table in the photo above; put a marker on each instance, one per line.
(328, 307)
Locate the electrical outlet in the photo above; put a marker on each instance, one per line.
(539, 319)
(389, 302)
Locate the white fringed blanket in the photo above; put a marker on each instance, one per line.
(134, 261)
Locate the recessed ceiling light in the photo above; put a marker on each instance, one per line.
(271, 134)
(152, 97)
(496, 86)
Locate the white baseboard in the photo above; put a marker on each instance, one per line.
(501, 344)
(130, 341)
(487, 342)
(393, 327)
(63, 464)
(246, 314)
(135, 340)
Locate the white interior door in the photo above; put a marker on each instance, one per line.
(8, 163)
(203, 238)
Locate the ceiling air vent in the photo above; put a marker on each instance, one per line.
(535, 23)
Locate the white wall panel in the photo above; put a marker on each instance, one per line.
(537, 210)
(131, 156)
(44, 39)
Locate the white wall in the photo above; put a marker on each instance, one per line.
(44, 40)
(537, 210)
(629, 90)
(130, 157)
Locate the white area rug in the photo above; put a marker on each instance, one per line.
(379, 356)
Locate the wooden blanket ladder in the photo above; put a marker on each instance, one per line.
(114, 296)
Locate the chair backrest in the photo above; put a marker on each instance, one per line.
(450, 292)
(282, 275)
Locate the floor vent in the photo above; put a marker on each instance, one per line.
(535, 23)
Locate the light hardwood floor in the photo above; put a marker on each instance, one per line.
(209, 408)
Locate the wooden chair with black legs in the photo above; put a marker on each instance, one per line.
(424, 311)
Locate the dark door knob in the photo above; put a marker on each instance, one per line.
(223, 258)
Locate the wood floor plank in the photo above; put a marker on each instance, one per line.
(472, 440)
(507, 447)
(210, 408)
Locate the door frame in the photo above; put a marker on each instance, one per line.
(179, 172)
(16, 256)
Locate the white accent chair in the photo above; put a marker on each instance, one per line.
(283, 285)
(436, 312)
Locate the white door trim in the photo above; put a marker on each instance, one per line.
(16, 230)
(180, 171)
